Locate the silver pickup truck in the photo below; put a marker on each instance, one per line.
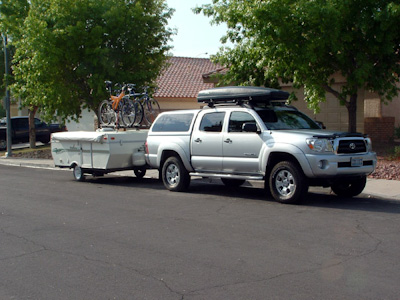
(249, 133)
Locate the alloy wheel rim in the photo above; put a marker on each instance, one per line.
(172, 175)
(285, 183)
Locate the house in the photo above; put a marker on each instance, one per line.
(180, 82)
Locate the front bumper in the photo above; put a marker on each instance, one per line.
(333, 165)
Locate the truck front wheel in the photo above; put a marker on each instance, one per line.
(287, 183)
(349, 187)
(174, 175)
(3, 144)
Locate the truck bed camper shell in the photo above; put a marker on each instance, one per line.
(235, 94)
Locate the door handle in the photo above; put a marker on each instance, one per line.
(198, 140)
(228, 141)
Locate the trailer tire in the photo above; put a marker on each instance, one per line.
(174, 175)
(140, 172)
(78, 173)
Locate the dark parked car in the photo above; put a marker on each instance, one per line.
(20, 131)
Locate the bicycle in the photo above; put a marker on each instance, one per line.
(119, 108)
(150, 106)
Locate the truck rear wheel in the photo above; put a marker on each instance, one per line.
(349, 187)
(174, 175)
(287, 183)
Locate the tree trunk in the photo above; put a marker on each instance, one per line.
(352, 112)
(32, 132)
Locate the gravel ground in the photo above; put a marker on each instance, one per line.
(386, 169)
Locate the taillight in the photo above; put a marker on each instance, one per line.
(146, 147)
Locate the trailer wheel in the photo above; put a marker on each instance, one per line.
(174, 175)
(139, 173)
(78, 173)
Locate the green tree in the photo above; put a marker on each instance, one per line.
(69, 47)
(12, 15)
(307, 42)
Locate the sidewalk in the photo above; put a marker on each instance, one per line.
(389, 189)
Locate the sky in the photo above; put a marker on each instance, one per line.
(195, 37)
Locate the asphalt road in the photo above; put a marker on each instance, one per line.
(123, 238)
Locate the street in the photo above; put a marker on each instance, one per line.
(119, 237)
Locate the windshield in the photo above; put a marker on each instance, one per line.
(286, 119)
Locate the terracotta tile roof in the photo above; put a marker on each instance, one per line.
(183, 78)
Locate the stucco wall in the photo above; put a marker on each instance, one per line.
(332, 114)
(392, 109)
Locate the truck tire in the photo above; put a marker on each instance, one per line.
(349, 187)
(3, 144)
(232, 182)
(45, 140)
(287, 183)
(78, 173)
(174, 175)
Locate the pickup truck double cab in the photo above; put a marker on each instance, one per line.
(20, 131)
(249, 133)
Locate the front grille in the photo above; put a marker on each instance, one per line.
(351, 146)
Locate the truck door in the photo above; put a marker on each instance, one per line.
(206, 143)
(241, 149)
(21, 129)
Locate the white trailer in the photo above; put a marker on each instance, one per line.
(100, 152)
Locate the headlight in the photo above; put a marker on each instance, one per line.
(369, 144)
(320, 145)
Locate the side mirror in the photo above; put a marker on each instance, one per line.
(250, 127)
(320, 124)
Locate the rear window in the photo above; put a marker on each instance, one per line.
(173, 122)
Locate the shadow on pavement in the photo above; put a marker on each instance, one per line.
(317, 197)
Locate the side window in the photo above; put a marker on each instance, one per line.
(238, 119)
(173, 122)
(212, 122)
(21, 124)
(38, 123)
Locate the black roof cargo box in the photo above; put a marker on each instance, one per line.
(237, 93)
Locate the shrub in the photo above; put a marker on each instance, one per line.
(397, 131)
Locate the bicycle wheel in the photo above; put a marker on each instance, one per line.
(128, 113)
(151, 110)
(106, 114)
(139, 111)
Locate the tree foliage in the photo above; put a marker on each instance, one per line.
(307, 42)
(68, 48)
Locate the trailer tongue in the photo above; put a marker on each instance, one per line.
(100, 152)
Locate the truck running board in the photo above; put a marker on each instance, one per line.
(228, 176)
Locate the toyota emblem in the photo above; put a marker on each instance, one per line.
(352, 146)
